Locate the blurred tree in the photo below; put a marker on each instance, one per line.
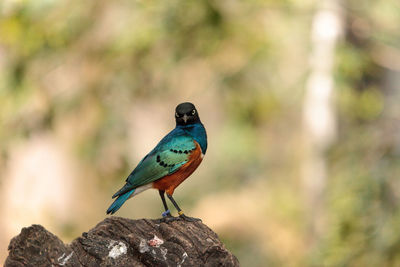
(90, 84)
(319, 114)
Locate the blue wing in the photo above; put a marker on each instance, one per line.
(166, 158)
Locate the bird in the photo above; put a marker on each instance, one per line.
(172, 160)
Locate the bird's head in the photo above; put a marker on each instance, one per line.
(186, 113)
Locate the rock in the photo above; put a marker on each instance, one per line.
(123, 242)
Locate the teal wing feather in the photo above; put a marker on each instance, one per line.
(166, 158)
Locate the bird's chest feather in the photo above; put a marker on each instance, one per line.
(170, 182)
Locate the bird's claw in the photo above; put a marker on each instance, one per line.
(168, 219)
(189, 219)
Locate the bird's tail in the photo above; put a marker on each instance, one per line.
(119, 201)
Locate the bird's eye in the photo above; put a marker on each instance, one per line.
(176, 114)
(193, 111)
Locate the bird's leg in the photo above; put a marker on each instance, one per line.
(166, 215)
(180, 212)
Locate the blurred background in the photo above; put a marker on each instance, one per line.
(300, 98)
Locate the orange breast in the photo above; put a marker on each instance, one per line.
(170, 182)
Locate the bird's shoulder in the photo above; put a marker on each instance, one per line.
(176, 139)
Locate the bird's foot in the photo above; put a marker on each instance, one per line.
(167, 217)
(166, 213)
(187, 218)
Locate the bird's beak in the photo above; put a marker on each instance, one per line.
(185, 118)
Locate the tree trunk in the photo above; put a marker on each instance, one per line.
(122, 242)
(319, 118)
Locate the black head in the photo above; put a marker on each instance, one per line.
(186, 113)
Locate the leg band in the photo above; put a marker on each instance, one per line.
(166, 213)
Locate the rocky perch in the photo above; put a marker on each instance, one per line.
(122, 242)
